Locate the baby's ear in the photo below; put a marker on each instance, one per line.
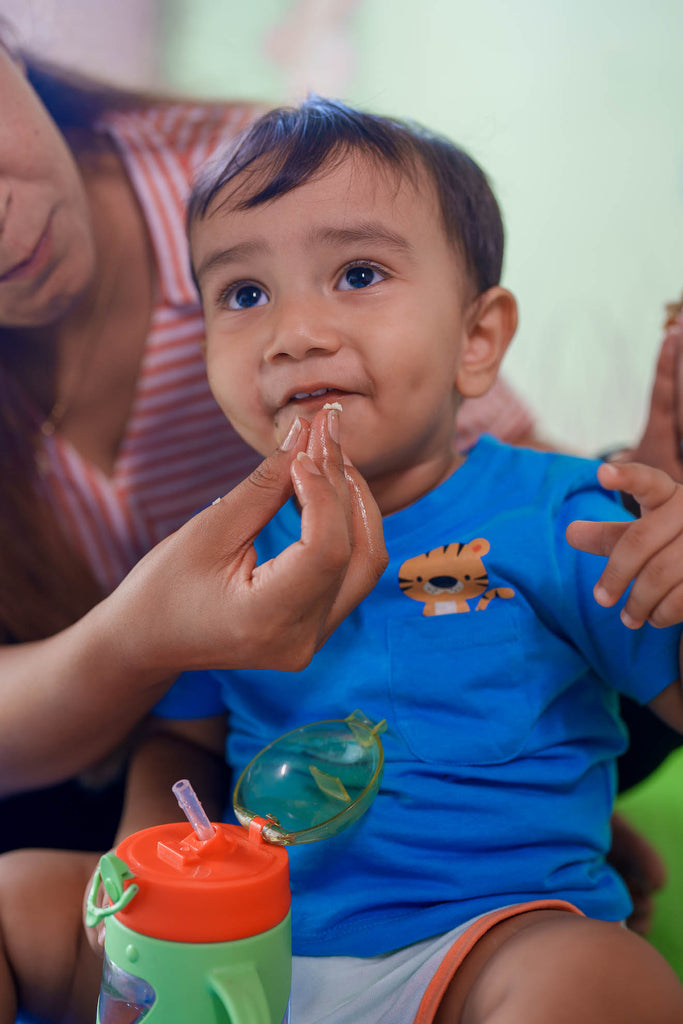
(490, 323)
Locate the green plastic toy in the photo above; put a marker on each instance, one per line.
(197, 925)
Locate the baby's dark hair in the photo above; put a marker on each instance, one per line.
(296, 142)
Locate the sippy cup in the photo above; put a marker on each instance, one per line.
(198, 924)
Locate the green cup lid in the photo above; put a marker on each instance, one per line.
(313, 782)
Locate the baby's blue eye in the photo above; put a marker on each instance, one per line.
(246, 296)
(359, 276)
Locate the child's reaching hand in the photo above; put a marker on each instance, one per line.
(647, 551)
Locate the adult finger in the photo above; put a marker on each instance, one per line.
(342, 546)
(300, 585)
(676, 333)
(368, 557)
(369, 554)
(246, 509)
(659, 443)
(324, 447)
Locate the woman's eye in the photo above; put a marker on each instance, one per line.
(245, 296)
(360, 276)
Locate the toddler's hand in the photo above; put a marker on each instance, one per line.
(647, 551)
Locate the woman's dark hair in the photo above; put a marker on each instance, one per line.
(44, 584)
(297, 142)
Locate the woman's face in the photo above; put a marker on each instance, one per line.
(47, 253)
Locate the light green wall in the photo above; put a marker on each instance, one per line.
(575, 110)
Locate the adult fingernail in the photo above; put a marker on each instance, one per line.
(292, 436)
(333, 424)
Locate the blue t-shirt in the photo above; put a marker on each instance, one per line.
(498, 675)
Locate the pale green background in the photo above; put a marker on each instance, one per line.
(574, 107)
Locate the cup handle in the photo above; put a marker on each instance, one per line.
(240, 991)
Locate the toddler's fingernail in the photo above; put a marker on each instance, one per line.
(333, 424)
(627, 620)
(601, 596)
(307, 463)
(292, 436)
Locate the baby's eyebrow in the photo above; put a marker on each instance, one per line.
(368, 232)
(224, 257)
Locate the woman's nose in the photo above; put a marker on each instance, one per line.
(301, 329)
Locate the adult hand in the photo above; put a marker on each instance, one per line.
(660, 444)
(647, 551)
(199, 599)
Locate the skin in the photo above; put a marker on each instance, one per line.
(282, 320)
(75, 266)
(197, 598)
(77, 271)
(660, 444)
(307, 328)
(47, 252)
(330, 494)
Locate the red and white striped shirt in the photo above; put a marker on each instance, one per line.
(179, 452)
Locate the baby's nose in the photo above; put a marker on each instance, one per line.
(302, 330)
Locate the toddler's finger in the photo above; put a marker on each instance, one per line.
(639, 543)
(668, 611)
(595, 538)
(649, 486)
(659, 576)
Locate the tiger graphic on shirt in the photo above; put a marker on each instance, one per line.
(446, 578)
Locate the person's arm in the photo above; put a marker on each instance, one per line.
(167, 751)
(197, 600)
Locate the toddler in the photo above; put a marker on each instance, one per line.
(349, 260)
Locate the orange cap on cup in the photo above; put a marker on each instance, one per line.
(230, 886)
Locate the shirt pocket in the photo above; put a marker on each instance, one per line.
(458, 686)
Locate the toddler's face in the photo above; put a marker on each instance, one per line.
(347, 290)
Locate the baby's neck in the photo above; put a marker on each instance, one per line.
(398, 490)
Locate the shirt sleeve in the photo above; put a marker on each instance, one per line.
(193, 695)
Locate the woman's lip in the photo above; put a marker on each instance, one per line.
(34, 261)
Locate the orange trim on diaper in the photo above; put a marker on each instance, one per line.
(431, 1000)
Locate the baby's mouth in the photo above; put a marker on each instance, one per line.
(314, 400)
